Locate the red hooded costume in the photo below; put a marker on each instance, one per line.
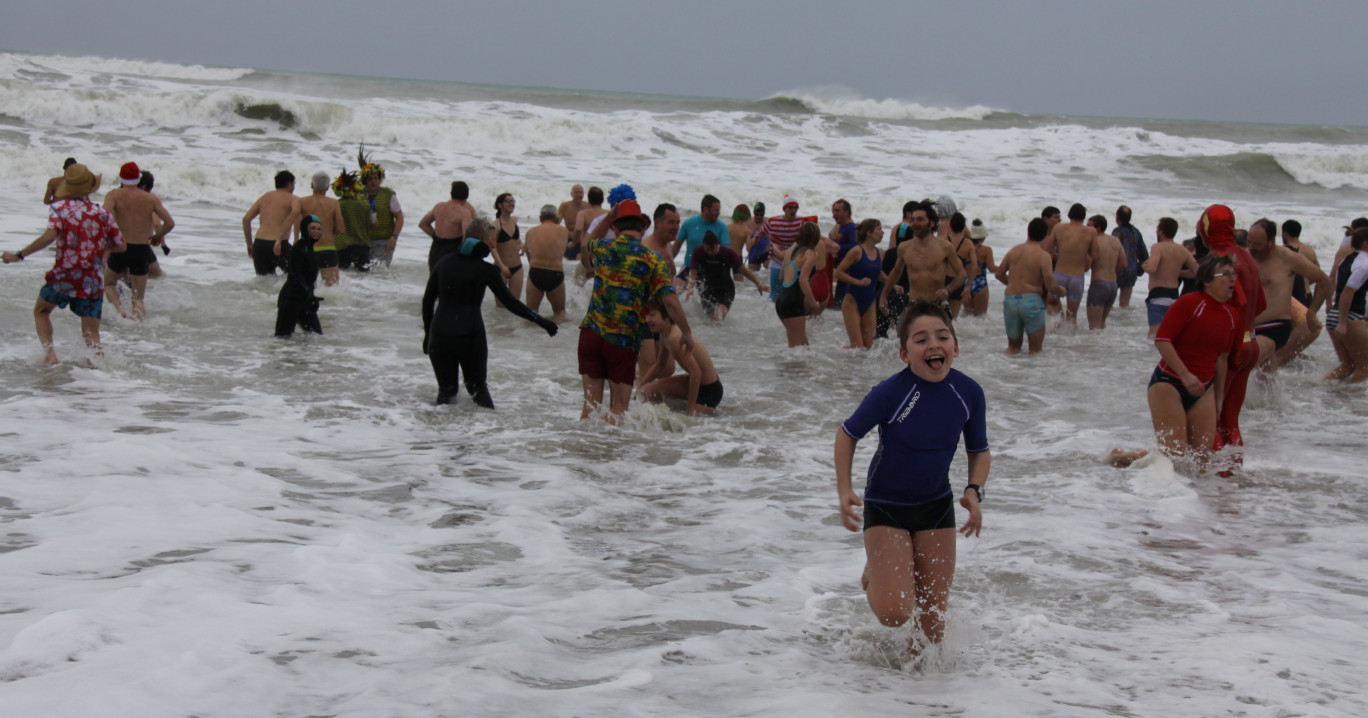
(1217, 230)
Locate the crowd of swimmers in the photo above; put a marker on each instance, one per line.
(1221, 305)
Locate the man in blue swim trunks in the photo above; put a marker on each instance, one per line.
(1026, 272)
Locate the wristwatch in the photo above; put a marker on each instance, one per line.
(977, 489)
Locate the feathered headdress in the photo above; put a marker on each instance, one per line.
(346, 184)
(368, 168)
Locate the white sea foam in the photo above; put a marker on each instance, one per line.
(208, 521)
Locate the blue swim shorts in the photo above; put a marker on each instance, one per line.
(79, 306)
(1023, 314)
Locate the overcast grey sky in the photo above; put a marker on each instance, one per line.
(1256, 60)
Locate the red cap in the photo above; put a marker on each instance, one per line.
(629, 208)
(129, 172)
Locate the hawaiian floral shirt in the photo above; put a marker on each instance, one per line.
(84, 231)
(627, 276)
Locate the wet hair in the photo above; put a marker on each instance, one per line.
(1269, 227)
(629, 224)
(909, 208)
(1123, 214)
(1049, 211)
(1037, 229)
(808, 235)
(69, 162)
(1207, 268)
(1359, 239)
(146, 180)
(866, 228)
(283, 179)
(320, 181)
(657, 306)
(710, 238)
(922, 308)
(1292, 228)
(957, 223)
(741, 213)
(460, 190)
(498, 204)
(1098, 221)
(479, 229)
(1077, 212)
(549, 211)
(595, 196)
(1168, 227)
(660, 211)
(929, 208)
(845, 205)
(708, 201)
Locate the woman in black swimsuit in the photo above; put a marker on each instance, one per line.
(510, 243)
(453, 327)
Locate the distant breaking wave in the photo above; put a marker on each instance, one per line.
(139, 68)
(849, 105)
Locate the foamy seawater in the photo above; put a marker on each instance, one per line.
(209, 521)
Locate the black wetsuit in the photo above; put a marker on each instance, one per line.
(454, 333)
(297, 304)
(884, 322)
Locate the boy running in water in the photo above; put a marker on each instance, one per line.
(909, 513)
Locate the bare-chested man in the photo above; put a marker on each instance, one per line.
(135, 211)
(279, 210)
(664, 234)
(329, 214)
(568, 212)
(1025, 269)
(545, 250)
(927, 259)
(739, 231)
(662, 239)
(1071, 246)
(1278, 268)
(1168, 264)
(50, 194)
(446, 223)
(583, 219)
(1302, 336)
(1108, 260)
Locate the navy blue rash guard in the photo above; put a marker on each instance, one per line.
(920, 423)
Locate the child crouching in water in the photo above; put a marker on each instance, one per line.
(909, 513)
(698, 384)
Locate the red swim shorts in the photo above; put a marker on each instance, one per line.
(600, 360)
